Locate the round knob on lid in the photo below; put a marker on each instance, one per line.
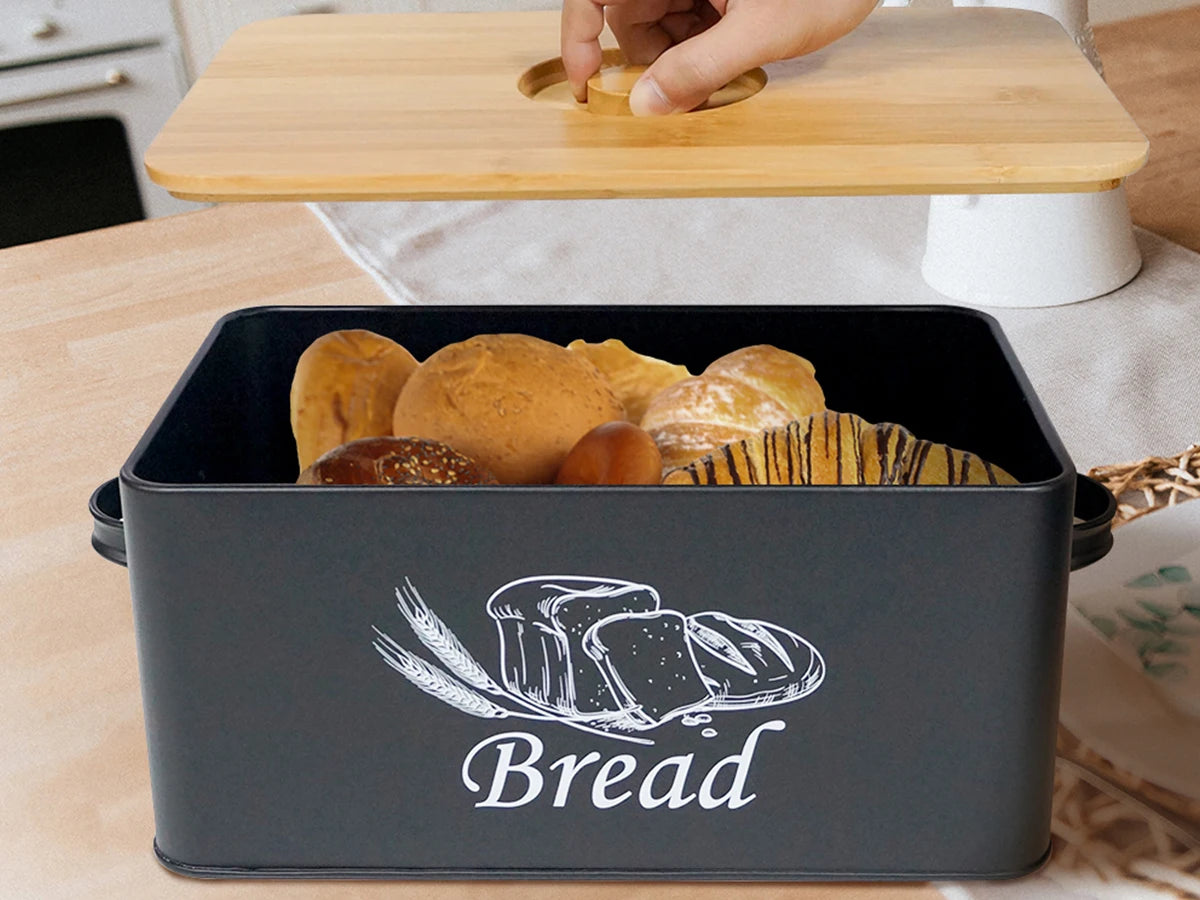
(608, 90)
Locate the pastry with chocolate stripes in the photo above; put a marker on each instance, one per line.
(838, 448)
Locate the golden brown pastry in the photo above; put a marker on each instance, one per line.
(612, 453)
(635, 378)
(393, 460)
(515, 403)
(736, 398)
(345, 387)
(838, 448)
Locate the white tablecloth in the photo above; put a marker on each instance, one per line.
(1119, 374)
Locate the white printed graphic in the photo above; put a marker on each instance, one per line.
(516, 778)
(601, 655)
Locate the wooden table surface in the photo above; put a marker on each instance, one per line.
(94, 331)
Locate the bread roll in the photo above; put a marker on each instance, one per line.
(635, 378)
(393, 460)
(515, 403)
(838, 448)
(736, 398)
(345, 387)
(612, 453)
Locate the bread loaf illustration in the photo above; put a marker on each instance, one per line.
(737, 397)
(647, 663)
(599, 655)
(838, 448)
(542, 622)
(751, 663)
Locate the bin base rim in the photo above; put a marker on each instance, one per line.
(328, 873)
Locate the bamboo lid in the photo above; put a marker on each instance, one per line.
(608, 90)
(462, 106)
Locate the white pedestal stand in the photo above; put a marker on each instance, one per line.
(1031, 249)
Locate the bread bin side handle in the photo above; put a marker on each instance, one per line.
(1091, 536)
(108, 527)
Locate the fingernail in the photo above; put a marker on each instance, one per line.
(647, 98)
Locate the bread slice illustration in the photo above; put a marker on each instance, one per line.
(542, 621)
(647, 662)
(751, 663)
(600, 655)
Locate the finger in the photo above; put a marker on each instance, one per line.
(642, 43)
(708, 15)
(636, 26)
(748, 36)
(681, 26)
(687, 74)
(582, 22)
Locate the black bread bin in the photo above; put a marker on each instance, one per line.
(419, 682)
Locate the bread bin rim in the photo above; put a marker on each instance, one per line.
(1065, 474)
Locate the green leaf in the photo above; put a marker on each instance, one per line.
(1192, 610)
(1170, 648)
(1157, 609)
(1154, 626)
(1146, 646)
(1175, 574)
(1104, 625)
(1170, 670)
(1183, 630)
(1149, 580)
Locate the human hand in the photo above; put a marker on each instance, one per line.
(695, 47)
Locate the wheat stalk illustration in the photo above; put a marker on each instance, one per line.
(442, 642)
(615, 721)
(445, 645)
(436, 635)
(435, 682)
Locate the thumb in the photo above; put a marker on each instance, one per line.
(692, 71)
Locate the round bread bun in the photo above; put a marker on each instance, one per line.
(344, 388)
(515, 403)
(612, 453)
(393, 460)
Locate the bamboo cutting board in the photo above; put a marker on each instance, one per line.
(435, 106)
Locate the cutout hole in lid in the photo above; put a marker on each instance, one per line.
(608, 89)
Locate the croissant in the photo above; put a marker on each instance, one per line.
(737, 397)
(838, 448)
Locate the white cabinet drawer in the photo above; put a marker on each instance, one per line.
(35, 30)
(139, 88)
